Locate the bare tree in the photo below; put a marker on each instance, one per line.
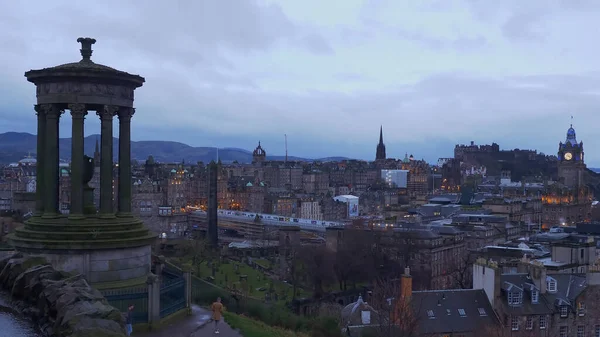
(316, 266)
(356, 258)
(199, 251)
(461, 271)
(396, 314)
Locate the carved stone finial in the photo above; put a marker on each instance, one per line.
(86, 47)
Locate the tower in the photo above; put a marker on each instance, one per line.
(213, 228)
(571, 165)
(259, 155)
(380, 154)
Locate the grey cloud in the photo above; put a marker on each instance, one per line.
(373, 27)
(187, 30)
(317, 44)
(466, 43)
(524, 26)
(440, 107)
(351, 77)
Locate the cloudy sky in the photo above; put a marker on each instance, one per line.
(228, 73)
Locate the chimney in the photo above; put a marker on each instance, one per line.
(402, 304)
(537, 272)
(406, 284)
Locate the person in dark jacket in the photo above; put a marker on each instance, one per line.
(129, 320)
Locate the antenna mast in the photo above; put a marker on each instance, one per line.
(286, 152)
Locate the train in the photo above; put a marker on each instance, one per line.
(283, 220)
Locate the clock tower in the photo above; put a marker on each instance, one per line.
(571, 166)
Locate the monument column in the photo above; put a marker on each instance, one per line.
(39, 166)
(106, 159)
(78, 112)
(51, 177)
(125, 115)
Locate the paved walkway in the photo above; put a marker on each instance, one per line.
(197, 325)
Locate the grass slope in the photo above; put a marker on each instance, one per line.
(252, 328)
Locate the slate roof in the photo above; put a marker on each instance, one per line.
(524, 283)
(453, 311)
(568, 288)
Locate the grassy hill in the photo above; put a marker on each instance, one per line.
(16, 145)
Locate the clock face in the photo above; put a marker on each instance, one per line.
(568, 156)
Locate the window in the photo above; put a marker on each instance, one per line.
(580, 331)
(597, 331)
(551, 283)
(430, 314)
(514, 323)
(564, 311)
(562, 332)
(529, 325)
(482, 312)
(462, 312)
(581, 308)
(535, 296)
(542, 322)
(515, 297)
(365, 317)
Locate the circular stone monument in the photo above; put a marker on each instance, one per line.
(110, 247)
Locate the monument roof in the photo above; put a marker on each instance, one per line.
(85, 67)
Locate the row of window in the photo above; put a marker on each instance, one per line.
(515, 323)
(562, 332)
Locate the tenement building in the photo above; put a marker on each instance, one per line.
(536, 302)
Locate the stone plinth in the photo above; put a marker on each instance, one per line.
(108, 252)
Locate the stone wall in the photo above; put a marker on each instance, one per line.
(60, 303)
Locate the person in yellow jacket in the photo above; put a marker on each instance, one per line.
(217, 313)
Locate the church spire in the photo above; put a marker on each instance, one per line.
(380, 153)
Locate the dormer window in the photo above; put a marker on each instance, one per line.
(430, 314)
(535, 296)
(564, 311)
(551, 284)
(515, 297)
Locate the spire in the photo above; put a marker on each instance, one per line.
(380, 153)
(571, 121)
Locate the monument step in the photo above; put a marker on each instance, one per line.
(85, 228)
(40, 245)
(95, 234)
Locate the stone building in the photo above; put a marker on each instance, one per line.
(398, 310)
(433, 257)
(569, 200)
(534, 302)
(310, 209)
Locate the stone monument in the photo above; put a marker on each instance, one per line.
(111, 248)
(213, 227)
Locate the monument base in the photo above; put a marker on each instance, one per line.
(103, 266)
(105, 251)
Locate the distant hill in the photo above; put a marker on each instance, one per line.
(15, 146)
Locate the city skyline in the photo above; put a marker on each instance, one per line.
(326, 75)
